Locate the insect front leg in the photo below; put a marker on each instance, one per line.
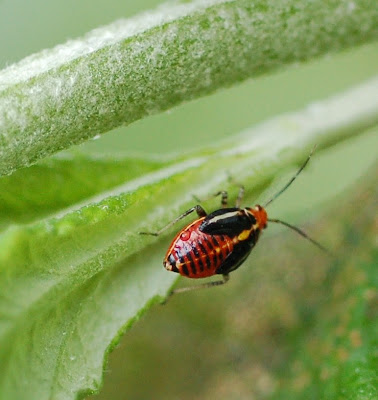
(198, 209)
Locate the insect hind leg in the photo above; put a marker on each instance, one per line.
(198, 209)
(225, 279)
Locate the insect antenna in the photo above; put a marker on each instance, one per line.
(291, 180)
(294, 228)
(303, 234)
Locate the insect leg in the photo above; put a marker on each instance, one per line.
(206, 285)
(224, 198)
(199, 210)
(240, 196)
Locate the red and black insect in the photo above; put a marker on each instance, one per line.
(218, 243)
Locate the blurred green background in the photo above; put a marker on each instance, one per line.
(185, 349)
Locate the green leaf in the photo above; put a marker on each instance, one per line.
(58, 183)
(292, 323)
(133, 68)
(73, 282)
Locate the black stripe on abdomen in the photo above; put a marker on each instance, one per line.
(205, 253)
(191, 263)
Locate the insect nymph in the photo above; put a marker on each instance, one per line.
(218, 243)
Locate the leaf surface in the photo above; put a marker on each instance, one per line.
(72, 280)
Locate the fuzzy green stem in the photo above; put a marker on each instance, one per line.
(132, 68)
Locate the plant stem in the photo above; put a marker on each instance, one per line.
(133, 68)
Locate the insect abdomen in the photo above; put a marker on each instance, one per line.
(195, 254)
